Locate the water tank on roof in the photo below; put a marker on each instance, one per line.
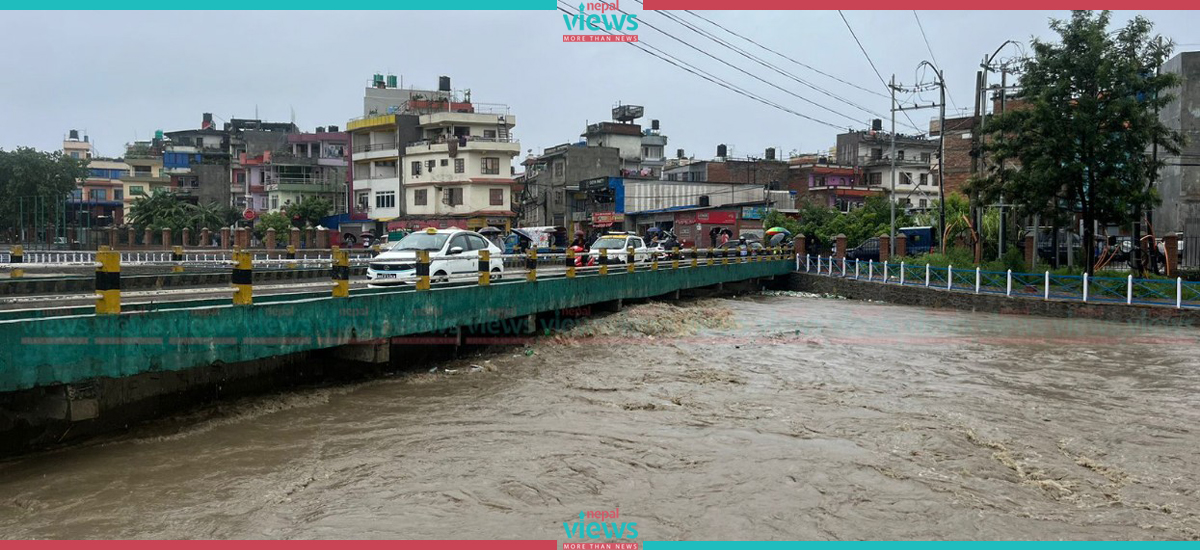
(443, 84)
(770, 153)
(877, 124)
(158, 134)
(654, 124)
(391, 81)
(722, 150)
(377, 79)
(703, 200)
(320, 129)
(74, 135)
(679, 153)
(333, 128)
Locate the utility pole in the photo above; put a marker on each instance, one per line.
(941, 155)
(1003, 104)
(892, 154)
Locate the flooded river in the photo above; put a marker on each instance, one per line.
(766, 417)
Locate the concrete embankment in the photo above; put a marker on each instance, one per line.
(915, 295)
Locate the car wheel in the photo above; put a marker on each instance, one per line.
(496, 274)
(439, 277)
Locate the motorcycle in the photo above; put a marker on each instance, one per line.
(582, 259)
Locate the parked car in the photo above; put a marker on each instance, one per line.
(618, 245)
(451, 252)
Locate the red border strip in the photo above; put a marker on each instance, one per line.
(292, 544)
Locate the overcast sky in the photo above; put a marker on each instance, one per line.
(121, 75)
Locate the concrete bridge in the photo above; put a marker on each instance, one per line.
(72, 363)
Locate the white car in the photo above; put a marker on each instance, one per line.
(618, 248)
(452, 253)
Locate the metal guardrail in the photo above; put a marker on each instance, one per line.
(1175, 293)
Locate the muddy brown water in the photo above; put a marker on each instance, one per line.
(764, 417)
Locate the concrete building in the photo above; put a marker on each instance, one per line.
(619, 148)
(306, 165)
(145, 160)
(1179, 182)
(432, 158)
(767, 171)
(75, 148)
(197, 162)
(544, 194)
(869, 153)
(816, 181)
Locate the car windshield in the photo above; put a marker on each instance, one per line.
(422, 241)
(609, 242)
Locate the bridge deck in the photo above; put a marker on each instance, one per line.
(70, 345)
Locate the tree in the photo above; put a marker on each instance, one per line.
(26, 173)
(1081, 139)
(309, 212)
(160, 209)
(272, 220)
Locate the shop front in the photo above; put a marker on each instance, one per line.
(694, 228)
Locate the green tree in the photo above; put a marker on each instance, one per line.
(26, 173)
(159, 210)
(309, 212)
(272, 220)
(1079, 144)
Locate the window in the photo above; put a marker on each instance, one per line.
(495, 197)
(875, 178)
(558, 168)
(924, 157)
(460, 166)
(477, 242)
(137, 190)
(385, 199)
(416, 168)
(141, 171)
(559, 195)
(876, 154)
(924, 179)
(275, 202)
(489, 134)
(430, 165)
(906, 178)
(420, 197)
(241, 177)
(923, 203)
(98, 194)
(900, 154)
(460, 241)
(445, 162)
(74, 154)
(491, 165)
(453, 196)
(118, 194)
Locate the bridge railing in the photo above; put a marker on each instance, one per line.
(1046, 285)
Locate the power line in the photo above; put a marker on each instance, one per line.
(931, 54)
(773, 67)
(872, 63)
(802, 64)
(678, 63)
(741, 70)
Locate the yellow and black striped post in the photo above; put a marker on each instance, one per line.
(711, 256)
(629, 259)
(531, 266)
(422, 270)
(485, 267)
(695, 256)
(108, 281)
(570, 262)
(675, 258)
(177, 257)
(724, 256)
(604, 261)
(340, 271)
(653, 262)
(291, 255)
(17, 256)
(243, 278)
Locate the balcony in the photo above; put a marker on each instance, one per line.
(370, 151)
(304, 185)
(474, 143)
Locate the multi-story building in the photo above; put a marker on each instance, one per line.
(146, 176)
(433, 158)
(869, 153)
(313, 166)
(97, 200)
(197, 162)
(1179, 182)
(818, 182)
(75, 148)
(767, 171)
(641, 151)
(544, 199)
